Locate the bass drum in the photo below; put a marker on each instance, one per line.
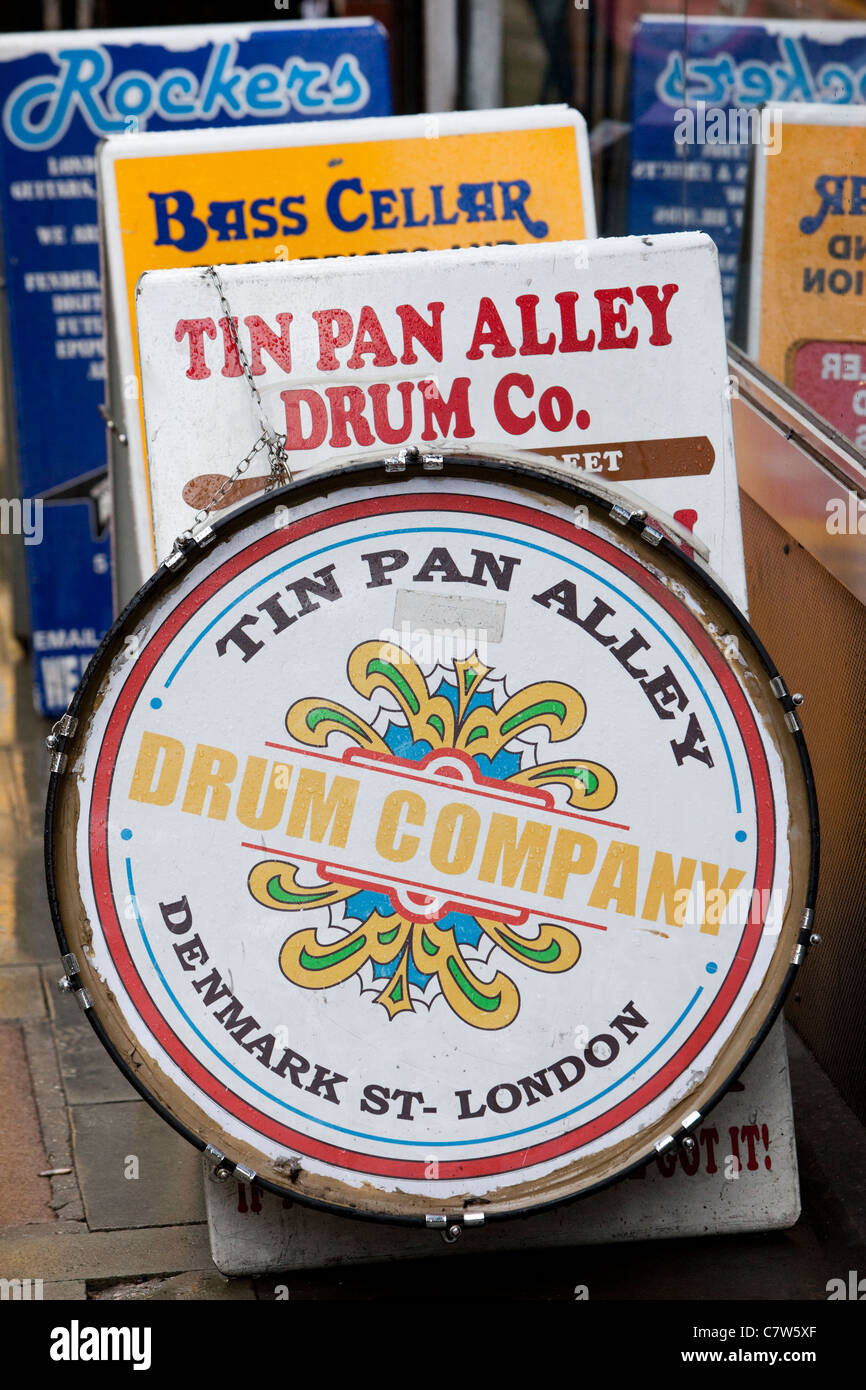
(432, 846)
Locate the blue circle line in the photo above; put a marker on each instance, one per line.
(489, 535)
(381, 1138)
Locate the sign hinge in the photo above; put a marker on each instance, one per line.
(112, 425)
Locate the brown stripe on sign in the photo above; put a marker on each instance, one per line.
(689, 457)
(198, 492)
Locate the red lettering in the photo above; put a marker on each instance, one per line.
(555, 408)
(335, 331)
(370, 341)
(347, 408)
(531, 347)
(232, 362)
(417, 329)
(489, 332)
(196, 329)
(569, 341)
(505, 416)
(612, 319)
(264, 339)
(382, 426)
(295, 437)
(657, 302)
(710, 1138)
(439, 410)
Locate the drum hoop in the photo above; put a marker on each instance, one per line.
(517, 466)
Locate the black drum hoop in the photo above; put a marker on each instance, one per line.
(523, 468)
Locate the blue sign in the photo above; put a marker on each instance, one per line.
(59, 95)
(698, 89)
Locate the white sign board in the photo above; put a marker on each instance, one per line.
(607, 356)
(740, 1176)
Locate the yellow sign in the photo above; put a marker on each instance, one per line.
(435, 190)
(808, 317)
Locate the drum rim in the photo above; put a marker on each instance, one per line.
(517, 466)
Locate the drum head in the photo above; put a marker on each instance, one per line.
(430, 841)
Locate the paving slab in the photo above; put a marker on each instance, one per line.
(196, 1286)
(88, 1073)
(65, 1252)
(133, 1169)
(26, 933)
(24, 1196)
(21, 992)
(53, 1119)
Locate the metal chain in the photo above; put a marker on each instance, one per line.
(268, 439)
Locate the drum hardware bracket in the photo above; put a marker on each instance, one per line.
(652, 534)
(624, 516)
(650, 530)
(806, 938)
(789, 703)
(682, 1139)
(199, 537)
(452, 1227)
(430, 463)
(224, 1168)
(61, 731)
(66, 984)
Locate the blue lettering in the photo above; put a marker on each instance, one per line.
(514, 195)
(838, 82)
(383, 200)
(719, 78)
(38, 112)
(262, 83)
(350, 90)
(409, 219)
(297, 223)
(307, 78)
(267, 224)
(132, 95)
(193, 230)
(218, 86)
(227, 220)
(476, 200)
(83, 73)
(797, 79)
(439, 218)
(174, 110)
(757, 84)
(334, 211)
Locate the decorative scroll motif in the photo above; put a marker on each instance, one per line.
(408, 957)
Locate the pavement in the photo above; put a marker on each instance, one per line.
(101, 1200)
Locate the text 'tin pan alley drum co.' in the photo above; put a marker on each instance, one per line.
(432, 842)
